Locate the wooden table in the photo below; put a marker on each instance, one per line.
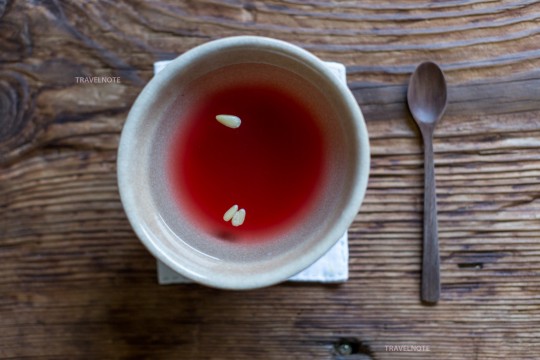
(75, 283)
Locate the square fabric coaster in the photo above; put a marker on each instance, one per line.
(333, 267)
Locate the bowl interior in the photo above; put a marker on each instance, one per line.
(166, 227)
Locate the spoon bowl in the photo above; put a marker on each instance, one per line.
(427, 95)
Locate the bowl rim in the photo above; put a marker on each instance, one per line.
(343, 221)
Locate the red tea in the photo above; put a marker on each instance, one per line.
(271, 165)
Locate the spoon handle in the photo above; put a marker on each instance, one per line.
(431, 286)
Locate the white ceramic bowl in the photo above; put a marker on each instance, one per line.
(166, 230)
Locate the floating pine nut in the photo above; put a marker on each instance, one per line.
(239, 217)
(230, 213)
(229, 120)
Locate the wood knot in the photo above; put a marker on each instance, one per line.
(15, 39)
(16, 107)
(3, 7)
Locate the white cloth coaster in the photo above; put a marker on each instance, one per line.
(332, 267)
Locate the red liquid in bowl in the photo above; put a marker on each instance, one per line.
(271, 166)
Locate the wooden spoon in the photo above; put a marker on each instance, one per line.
(427, 101)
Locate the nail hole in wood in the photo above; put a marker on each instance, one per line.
(350, 346)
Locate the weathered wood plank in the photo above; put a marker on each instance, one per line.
(76, 283)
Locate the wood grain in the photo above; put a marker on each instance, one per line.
(76, 283)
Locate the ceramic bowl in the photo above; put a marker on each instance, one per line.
(166, 229)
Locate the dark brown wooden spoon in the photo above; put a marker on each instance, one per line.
(427, 101)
